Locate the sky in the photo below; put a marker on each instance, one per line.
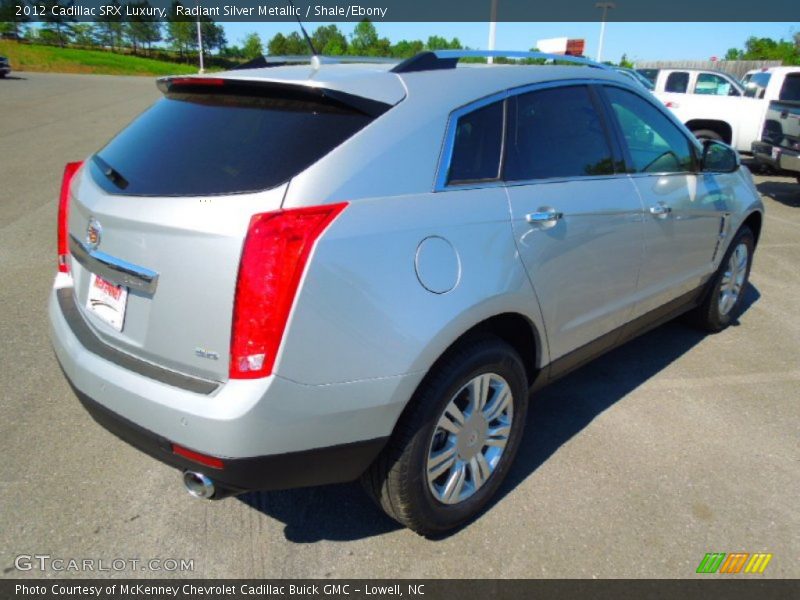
(640, 41)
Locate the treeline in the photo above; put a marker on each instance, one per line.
(755, 48)
(137, 35)
(330, 41)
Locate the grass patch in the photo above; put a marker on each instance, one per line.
(51, 59)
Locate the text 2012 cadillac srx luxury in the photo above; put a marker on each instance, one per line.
(307, 274)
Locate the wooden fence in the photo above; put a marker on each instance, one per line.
(737, 68)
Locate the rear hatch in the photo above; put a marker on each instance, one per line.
(171, 197)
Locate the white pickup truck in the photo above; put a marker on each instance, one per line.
(714, 105)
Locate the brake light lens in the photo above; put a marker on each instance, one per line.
(274, 258)
(215, 81)
(62, 246)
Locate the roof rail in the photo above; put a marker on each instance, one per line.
(448, 59)
(316, 61)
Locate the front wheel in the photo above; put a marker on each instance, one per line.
(454, 444)
(724, 299)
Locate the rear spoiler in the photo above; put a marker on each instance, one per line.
(225, 85)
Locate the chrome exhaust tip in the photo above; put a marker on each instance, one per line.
(198, 485)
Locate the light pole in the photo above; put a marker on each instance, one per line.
(492, 30)
(605, 6)
(200, 38)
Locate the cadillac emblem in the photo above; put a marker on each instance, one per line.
(93, 232)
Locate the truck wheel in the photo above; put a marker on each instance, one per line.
(454, 444)
(707, 134)
(724, 298)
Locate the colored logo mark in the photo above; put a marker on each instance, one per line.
(735, 562)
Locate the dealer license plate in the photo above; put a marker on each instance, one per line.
(107, 301)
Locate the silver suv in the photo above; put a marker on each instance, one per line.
(307, 274)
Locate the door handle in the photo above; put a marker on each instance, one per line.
(660, 210)
(549, 216)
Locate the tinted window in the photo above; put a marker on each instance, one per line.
(476, 149)
(790, 90)
(677, 82)
(209, 143)
(756, 85)
(655, 144)
(714, 85)
(555, 133)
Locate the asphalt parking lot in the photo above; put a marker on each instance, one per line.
(675, 445)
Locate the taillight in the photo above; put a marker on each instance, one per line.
(274, 257)
(63, 213)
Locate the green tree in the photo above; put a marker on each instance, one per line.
(181, 32)
(625, 62)
(84, 34)
(252, 47)
(213, 35)
(56, 24)
(296, 45)
(364, 41)
(733, 54)
(328, 40)
(407, 49)
(110, 29)
(287, 45)
(437, 42)
(142, 31)
(769, 49)
(10, 22)
(277, 45)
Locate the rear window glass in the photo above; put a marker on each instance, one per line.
(790, 90)
(677, 82)
(476, 149)
(199, 143)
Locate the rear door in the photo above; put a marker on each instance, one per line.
(684, 210)
(577, 219)
(169, 200)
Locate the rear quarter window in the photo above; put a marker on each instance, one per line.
(477, 145)
(790, 90)
(210, 143)
(677, 82)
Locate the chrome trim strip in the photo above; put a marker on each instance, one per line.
(114, 269)
(89, 340)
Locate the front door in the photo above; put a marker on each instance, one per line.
(684, 210)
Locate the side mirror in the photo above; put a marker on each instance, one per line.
(719, 158)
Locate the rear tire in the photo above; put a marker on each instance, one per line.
(707, 134)
(430, 476)
(723, 301)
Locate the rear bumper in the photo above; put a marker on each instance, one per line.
(271, 433)
(320, 466)
(781, 159)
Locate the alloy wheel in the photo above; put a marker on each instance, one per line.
(470, 438)
(733, 279)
